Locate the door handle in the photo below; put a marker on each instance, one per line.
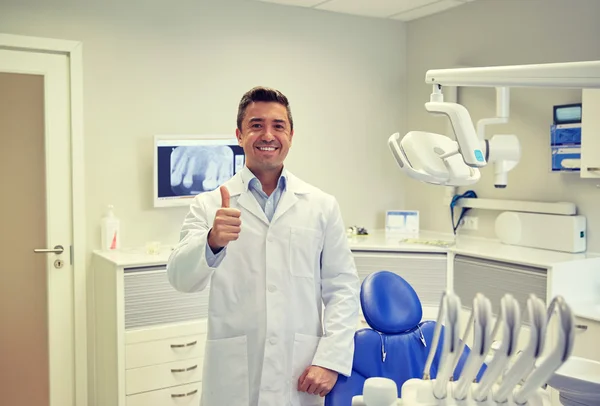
(58, 249)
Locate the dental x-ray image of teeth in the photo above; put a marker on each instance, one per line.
(197, 169)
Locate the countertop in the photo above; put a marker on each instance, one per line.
(486, 248)
(580, 290)
(378, 241)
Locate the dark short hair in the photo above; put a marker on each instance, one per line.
(262, 94)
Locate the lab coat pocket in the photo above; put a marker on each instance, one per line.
(305, 347)
(225, 377)
(305, 251)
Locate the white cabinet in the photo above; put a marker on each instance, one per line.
(587, 339)
(426, 272)
(590, 134)
(178, 396)
(472, 275)
(149, 339)
(494, 279)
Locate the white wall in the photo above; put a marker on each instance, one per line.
(154, 67)
(486, 33)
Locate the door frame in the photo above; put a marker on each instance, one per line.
(73, 50)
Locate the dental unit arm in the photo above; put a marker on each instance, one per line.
(437, 159)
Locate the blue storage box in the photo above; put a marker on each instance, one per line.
(565, 134)
(566, 158)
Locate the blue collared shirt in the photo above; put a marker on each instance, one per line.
(267, 203)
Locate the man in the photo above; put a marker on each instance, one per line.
(274, 250)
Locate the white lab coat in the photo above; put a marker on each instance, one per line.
(266, 322)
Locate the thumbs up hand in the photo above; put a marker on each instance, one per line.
(226, 226)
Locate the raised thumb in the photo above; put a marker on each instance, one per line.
(224, 197)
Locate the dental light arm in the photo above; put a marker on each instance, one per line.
(436, 159)
(570, 75)
(468, 143)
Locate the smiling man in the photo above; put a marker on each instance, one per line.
(283, 302)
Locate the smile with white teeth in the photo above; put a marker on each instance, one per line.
(267, 148)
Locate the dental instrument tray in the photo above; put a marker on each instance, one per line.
(514, 377)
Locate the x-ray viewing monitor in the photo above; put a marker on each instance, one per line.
(185, 166)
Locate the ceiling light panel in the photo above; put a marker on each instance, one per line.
(373, 8)
(429, 9)
(301, 3)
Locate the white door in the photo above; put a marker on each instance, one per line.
(36, 288)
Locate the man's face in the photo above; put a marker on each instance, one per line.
(266, 135)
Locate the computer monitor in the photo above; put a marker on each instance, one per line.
(187, 165)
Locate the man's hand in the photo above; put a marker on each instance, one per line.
(317, 380)
(226, 226)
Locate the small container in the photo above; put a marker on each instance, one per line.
(153, 248)
(111, 231)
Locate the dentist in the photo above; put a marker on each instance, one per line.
(272, 249)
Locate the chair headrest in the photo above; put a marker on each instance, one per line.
(389, 303)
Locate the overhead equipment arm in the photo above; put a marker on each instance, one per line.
(437, 159)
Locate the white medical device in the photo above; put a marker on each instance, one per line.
(437, 159)
(501, 385)
(544, 231)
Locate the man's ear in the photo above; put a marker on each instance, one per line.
(291, 136)
(238, 135)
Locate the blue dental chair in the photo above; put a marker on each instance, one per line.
(397, 343)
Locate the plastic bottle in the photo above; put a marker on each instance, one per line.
(110, 230)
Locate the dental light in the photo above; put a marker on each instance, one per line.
(437, 159)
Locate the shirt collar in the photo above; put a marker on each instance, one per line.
(250, 180)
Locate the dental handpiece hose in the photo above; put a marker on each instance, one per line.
(510, 319)
(559, 354)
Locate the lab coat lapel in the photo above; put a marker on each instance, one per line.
(289, 198)
(237, 187)
(248, 202)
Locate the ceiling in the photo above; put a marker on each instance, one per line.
(402, 10)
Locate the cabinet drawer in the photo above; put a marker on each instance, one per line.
(426, 273)
(164, 331)
(183, 395)
(587, 339)
(494, 279)
(150, 299)
(163, 351)
(163, 376)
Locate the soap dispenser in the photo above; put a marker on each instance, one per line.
(110, 230)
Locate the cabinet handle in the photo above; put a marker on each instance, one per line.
(184, 369)
(581, 327)
(184, 345)
(183, 395)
